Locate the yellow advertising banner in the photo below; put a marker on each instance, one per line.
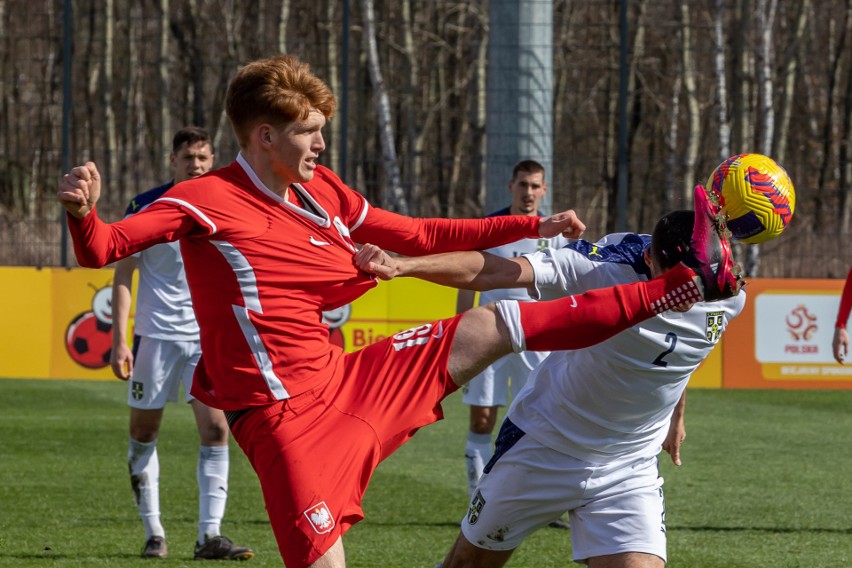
(58, 324)
(81, 340)
(27, 325)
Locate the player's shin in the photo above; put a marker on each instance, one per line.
(582, 320)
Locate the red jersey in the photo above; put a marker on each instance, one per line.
(845, 306)
(261, 270)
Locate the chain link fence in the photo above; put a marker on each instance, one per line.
(705, 80)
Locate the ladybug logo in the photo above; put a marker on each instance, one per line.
(335, 319)
(88, 338)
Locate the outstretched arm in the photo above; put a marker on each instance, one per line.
(469, 270)
(416, 237)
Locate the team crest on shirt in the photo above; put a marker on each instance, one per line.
(320, 517)
(476, 505)
(715, 321)
(137, 389)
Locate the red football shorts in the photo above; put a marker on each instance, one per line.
(314, 453)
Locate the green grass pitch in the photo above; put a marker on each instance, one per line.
(766, 482)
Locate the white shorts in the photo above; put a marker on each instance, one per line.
(159, 367)
(491, 386)
(613, 508)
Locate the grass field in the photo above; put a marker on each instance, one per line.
(766, 482)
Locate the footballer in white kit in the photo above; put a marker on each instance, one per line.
(166, 342)
(583, 435)
(491, 387)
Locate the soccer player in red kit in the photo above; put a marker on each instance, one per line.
(268, 244)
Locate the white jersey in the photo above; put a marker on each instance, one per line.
(163, 304)
(515, 249)
(615, 399)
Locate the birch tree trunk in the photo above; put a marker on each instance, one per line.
(284, 20)
(672, 165)
(133, 109)
(416, 135)
(740, 85)
(165, 83)
(334, 80)
(721, 81)
(395, 197)
(766, 123)
(693, 131)
(790, 68)
(110, 142)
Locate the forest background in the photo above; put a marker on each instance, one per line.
(705, 80)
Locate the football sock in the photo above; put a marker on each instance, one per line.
(144, 467)
(586, 319)
(212, 489)
(477, 452)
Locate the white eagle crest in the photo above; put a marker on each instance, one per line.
(321, 518)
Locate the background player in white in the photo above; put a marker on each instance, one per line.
(165, 352)
(584, 433)
(489, 390)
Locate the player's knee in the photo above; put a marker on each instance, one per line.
(483, 419)
(213, 433)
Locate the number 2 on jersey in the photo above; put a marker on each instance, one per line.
(671, 337)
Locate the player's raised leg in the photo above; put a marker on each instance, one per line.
(708, 272)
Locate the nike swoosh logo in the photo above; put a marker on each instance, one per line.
(439, 332)
(573, 302)
(319, 243)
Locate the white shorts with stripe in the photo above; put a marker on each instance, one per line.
(613, 508)
(159, 367)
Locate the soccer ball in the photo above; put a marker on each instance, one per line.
(756, 195)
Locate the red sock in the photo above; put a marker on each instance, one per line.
(582, 320)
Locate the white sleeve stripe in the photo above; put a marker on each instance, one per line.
(192, 208)
(362, 216)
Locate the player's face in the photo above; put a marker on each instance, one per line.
(296, 147)
(527, 189)
(191, 161)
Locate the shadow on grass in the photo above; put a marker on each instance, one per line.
(779, 530)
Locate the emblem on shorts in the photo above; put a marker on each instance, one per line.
(476, 505)
(320, 517)
(715, 321)
(136, 390)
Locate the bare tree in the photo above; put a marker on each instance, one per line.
(845, 155)
(395, 196)
(284, 20)
(793, 55)
(768, 9)
(722, 117)
(740, 87)
(107, 88)
(165, 88)
(693, 109)
(836, 57)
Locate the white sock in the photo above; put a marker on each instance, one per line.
(477, 452)
(212, 490)
(144, 467)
